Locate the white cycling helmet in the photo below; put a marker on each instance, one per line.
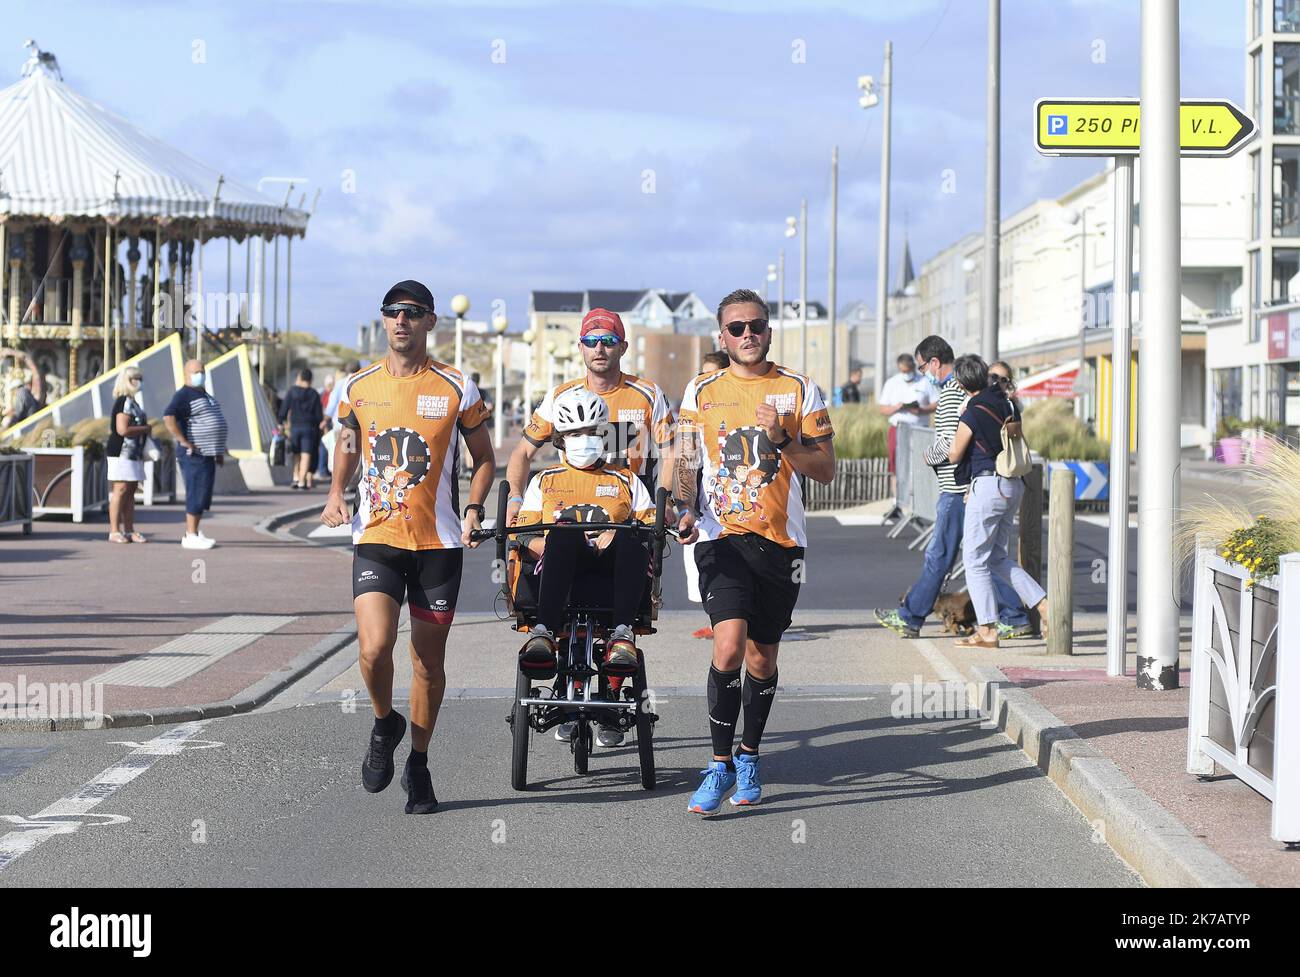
(578, 408)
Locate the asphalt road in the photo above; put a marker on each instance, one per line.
(854, 797)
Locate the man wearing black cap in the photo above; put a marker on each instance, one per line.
(402, 418)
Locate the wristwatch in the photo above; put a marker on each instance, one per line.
(482, 513)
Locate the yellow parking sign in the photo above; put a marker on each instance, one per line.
(1112, 127)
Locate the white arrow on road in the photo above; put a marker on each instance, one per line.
(66, 816)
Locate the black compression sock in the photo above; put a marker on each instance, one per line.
(418, 758)
(390, 724)
(757, 698)
(724, 710)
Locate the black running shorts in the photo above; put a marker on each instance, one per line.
(430, 578)
(748, 576)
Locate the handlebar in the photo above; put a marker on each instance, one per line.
(536, 529)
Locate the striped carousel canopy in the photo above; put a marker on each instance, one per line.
(63, 156)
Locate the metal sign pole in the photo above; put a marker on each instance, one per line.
(1121, 315)
(1159, 370)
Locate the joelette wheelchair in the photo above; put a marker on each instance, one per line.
(581, 693)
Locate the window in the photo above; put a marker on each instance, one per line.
(1286, 16)
(1286, 89)
(1257, 82)
(1227, 392)
(1286, 275)
(1286, 191)
(1257, 201)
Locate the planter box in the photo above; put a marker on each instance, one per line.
(16, 474)
(1245, 695)
(856, 482)
(67, 482)
(1232, 450)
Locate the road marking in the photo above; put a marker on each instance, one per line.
(869, 519)
(191, 653)
(63, 817)
(327, 532)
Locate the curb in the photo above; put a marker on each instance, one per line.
(271, 525)
(251, 698)
(1146, 836)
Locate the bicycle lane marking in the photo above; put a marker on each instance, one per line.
(65, 816)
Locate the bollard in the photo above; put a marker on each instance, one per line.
(1031, 533)
(1060, 563)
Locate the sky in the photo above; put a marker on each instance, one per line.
(495, 148)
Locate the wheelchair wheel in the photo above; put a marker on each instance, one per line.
(581, 745)
(519, 734)
(645, 743)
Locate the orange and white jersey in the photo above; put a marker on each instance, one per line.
(605, 494)
(745, 484)
(641, 422)
(407, 429)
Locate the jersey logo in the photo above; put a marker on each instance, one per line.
(784, 403)
(631, 415)
(611, 490)
(747, 463)
(399, 461)
(432, 406)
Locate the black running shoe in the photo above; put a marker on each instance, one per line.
(419, 789)
(377, 767)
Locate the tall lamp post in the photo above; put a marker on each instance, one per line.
(499, 325)
(460, 305)
(528, 337)
(868, 100)
(768, 277)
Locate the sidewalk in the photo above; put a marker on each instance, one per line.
(1145, 735)
(213, 623)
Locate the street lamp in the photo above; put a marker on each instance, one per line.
(528, 337)
(1072, 216)
(459, 305)
(868, 100)
(799, 228)
(550, 365)
(499, 325)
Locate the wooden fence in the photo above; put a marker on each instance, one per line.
(857, 481)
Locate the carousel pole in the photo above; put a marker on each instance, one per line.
(133, 266)
(288, 308)
(245, 304)
(275, 290)
(261, 311)
(108, 233)
(200, 313)
(157, 283)
(229, 246)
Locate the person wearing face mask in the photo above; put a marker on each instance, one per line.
(906, 398)
(196, 422)
(585, 487)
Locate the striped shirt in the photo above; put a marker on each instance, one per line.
(199, 417)
(952, 400)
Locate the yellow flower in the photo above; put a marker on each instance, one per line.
(1250, 542)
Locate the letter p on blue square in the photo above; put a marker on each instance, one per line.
(1058, 125)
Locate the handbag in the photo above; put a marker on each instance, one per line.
(1014, 460)
(152, 450)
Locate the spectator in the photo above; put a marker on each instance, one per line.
(195, 420)
(850, 393)
(992, 502)
(934, 358)
(904, 399)
(24, 398)
(128, 431)
(322, 455)
(301, 407)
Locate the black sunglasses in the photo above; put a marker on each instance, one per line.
(413, 312)
(607, 340)
(756, 327)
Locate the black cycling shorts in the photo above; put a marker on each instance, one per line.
(430, 578)
(749, 577)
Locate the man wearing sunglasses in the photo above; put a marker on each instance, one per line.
(638, 435)
(402, 418)
(747, 433)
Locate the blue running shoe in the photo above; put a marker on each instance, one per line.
(717, 781)
(749, 788)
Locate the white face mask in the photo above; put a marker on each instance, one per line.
(196, 379)
(584, 450)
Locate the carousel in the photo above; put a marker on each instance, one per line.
(104, 232)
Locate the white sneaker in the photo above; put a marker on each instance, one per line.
(194, 541)
(564, 732)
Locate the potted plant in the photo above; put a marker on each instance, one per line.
(1244, 710)
(1230, 448)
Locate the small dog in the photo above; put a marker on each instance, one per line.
(958, 613)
